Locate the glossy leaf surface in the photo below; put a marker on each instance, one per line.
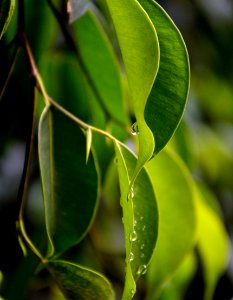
(101, 65)
(140, 218)
(79, 283)
(6, 12)
(177, 218)
(168, 97)
(213, 244)
(140, 50)
(70, 186)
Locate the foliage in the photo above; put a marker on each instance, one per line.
(106, 86)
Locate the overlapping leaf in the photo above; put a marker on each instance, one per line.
(70, 186)
(140, 218)
(6, 12)
(79, 283)
(177, 218)
(139, 46)
(167, 99)
(97, 54)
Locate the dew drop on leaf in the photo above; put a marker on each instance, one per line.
(142, 246)
(131, 193)
(134, 129)
(131, 256)
(142, 270)
(133, 236)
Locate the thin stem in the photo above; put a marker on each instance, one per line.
(80, 122)
(23, 188)
(11, 68)
(48, 100)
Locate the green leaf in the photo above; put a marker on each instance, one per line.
(167, 99)
(6, 12)
(79, 283)
(70, 186)
(177, 217)
(140, 50)
(176, 288)
(140, 218)
(211, 235)
(101, 64)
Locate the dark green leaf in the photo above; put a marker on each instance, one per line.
(140, 218)
(177, 217)
(101, 64)
(6, 12)
(167, 99)
(140, 50)
(70, 186)
(79, 283)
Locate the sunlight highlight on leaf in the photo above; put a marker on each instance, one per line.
(177, 217)
(140, 50)
(140, 218)
(213, 244)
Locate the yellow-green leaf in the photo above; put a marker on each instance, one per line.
(213, 244)
(140, 218)
(177, 217)
(140, 51)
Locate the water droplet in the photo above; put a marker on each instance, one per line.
(133, 236)
(131, 256)
(142, 255)
(142, 270)
(142, 246)
(115, 160)
(131, 193)
(134, 129)
(144, 228)
(135, 223)
(141, 218)
(132, 292)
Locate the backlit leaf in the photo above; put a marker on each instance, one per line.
(6, 12)
(177, 217)
(168, 96)
(70, 186)
(213, 244)
(140, 50)
(79, 283)
(140, 218)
